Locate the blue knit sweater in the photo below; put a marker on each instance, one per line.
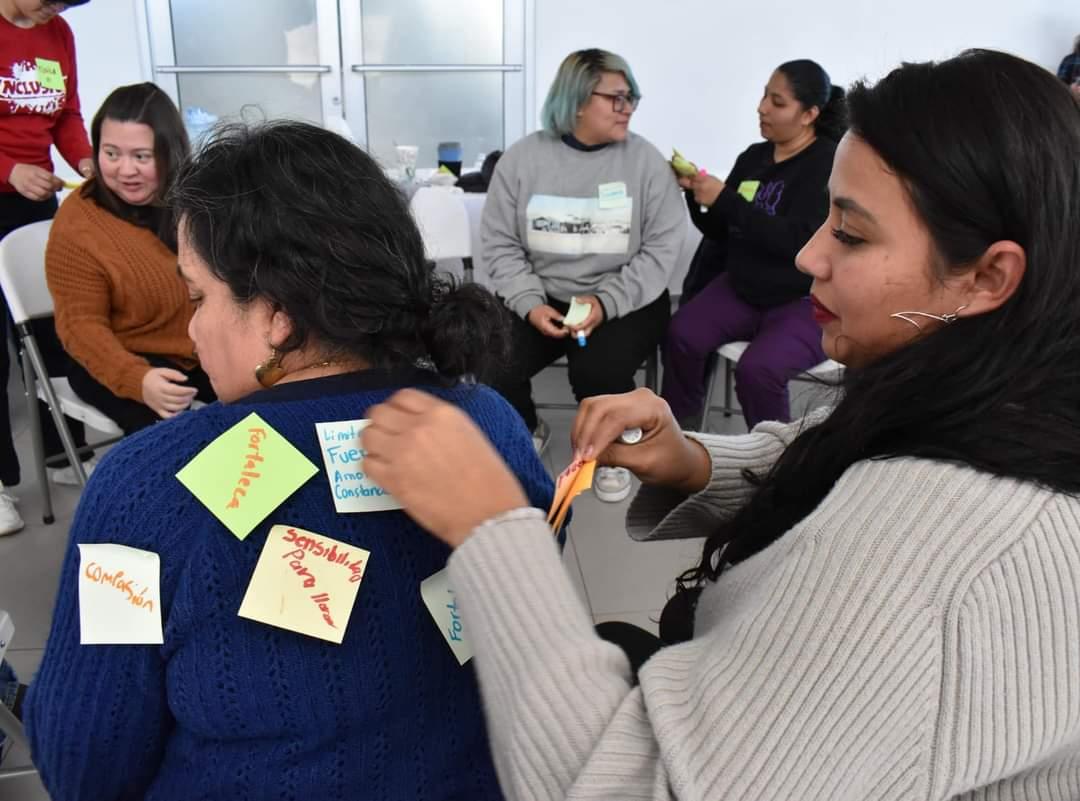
(229, 708)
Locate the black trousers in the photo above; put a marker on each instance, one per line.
(131, 415)
(15, 212)
(605, 366)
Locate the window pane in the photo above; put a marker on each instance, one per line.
(205, 98)
(432, 31)
(248, 32)
(424, 109)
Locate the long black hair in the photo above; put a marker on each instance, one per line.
(812, 86)
(298, 216)
(148, 105)
(988, 148)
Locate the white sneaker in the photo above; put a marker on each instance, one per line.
(611, 484)
(66, 475)
(541, 436)
(10, 520)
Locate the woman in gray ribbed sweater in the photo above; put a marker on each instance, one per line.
(890, 592)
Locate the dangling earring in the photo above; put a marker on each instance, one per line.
(270, 371)
(952, 317)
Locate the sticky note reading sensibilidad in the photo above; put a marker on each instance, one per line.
(246, 473)
(343, 455)
(441, 602)
(119, 595)
(305, 582)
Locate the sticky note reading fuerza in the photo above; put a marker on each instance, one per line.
(49, 75)
(246, 473)
(305, 582)
(343, 454)
(119, 596)
(441, 602)
(748, 189)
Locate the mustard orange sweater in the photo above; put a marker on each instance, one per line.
(117, 294)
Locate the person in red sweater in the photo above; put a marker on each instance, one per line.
(39, 108)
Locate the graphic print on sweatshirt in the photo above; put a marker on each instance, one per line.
(25, 94)
(574, 226)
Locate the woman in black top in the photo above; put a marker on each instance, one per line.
(754, 223)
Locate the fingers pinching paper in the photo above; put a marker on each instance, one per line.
(577, 314)
(246, 473)
(572, 481)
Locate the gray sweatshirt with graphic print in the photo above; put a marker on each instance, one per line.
(560, 222)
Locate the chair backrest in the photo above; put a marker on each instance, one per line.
(22, 271)
(440, 214)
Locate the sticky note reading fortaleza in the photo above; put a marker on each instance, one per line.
(443, 606)
(343, 454)
(119, 596)
(305, 582)
(49, 75)
(576, 314)
(748, 189)
(245, 474)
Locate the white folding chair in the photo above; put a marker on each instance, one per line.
(443, 220)
(828, 372)
(10, 725)
(22, 276)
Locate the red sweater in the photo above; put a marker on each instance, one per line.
(34, 117)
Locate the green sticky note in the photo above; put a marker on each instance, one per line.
(245, 474)
(49, 75)
(748, 189)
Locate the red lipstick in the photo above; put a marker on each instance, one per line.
(822, 314)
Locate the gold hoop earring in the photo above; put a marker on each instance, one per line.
(270, 371)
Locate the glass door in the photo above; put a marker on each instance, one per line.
(248, 59)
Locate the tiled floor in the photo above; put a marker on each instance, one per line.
(618, 579)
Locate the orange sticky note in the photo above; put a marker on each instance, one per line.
(571, 482)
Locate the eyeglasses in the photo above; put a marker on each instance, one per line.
(621, 102)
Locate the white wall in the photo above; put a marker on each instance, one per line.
(702, 63)
(110, 52)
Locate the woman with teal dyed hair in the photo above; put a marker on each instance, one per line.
(583, 209)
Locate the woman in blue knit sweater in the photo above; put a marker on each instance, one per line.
(301, 259)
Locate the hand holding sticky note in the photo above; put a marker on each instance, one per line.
(305, 582)
(576, 316)
(119, 596)
(245, 474)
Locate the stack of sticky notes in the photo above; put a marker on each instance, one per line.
(571, 482)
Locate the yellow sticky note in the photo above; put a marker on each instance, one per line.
(72, 184)
(119, 596)
(748, 189)
(577, 314)
(49, 75)
(571, 482)
(245, 474)
(305, 582)
(343, 454)
(441, 602)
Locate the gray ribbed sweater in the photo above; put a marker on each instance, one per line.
(916, 637)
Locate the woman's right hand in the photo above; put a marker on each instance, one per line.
(163, 392)
(34, 183)
(547, 321)
(663, 456)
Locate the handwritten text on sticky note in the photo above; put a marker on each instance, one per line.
(441, 602)
(305, 582)
(246, 473)
(119, 596)
(49, 74)
(343, 454)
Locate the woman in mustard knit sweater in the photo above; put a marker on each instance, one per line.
(122, 311)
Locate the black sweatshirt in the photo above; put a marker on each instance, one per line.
(789, 203)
